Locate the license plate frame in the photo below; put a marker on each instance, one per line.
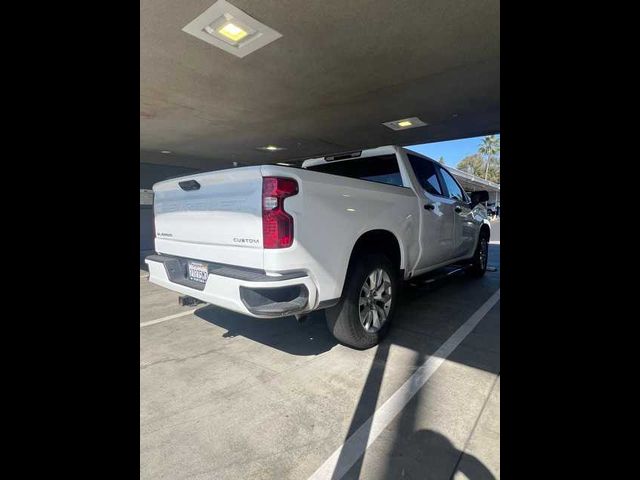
(197, 271)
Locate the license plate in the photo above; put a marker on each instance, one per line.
(198, 272)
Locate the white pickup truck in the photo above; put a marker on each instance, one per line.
(340, 234)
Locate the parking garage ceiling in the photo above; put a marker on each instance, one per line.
(340, 69)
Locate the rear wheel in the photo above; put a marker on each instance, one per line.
(480, 257)
(363, 316)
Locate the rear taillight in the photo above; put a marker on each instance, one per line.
(277, 225)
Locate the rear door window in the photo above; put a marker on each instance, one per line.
(380, 169)
(425, 171)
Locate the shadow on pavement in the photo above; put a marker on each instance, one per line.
(286, 334)
(312, 337)
(420, 453)
(427, 315)
(427, 454)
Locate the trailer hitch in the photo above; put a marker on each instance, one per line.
(186, 301)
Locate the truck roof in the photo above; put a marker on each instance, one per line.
(385, 150)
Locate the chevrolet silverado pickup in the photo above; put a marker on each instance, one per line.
(338, 233)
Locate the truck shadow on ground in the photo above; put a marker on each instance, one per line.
(285, 334)
(312, 336)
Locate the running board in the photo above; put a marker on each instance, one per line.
(446, 274)
(439, 276)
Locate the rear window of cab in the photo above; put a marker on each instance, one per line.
(379, 169)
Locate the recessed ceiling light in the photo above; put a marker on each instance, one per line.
(405, 123)
(165, 151)
(271, 148)
(231, 29)
(233, 32)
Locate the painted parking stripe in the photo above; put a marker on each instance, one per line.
(165, 319)
(354, 447)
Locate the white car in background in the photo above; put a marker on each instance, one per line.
(338, 234)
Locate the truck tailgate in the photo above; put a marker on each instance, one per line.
(214, 216)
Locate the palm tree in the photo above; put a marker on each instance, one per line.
(489, 147)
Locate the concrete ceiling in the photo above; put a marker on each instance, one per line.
(341, 69)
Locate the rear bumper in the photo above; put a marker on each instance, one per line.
(247, 291)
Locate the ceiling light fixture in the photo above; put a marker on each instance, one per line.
(166, 152)
(231, 29)
(233, 32)
(405, 123)
(271, 148)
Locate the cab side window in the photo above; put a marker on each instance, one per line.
(425, 171)
(452, 186)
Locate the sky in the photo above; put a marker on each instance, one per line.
(452, 151)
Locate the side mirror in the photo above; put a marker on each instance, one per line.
(479, 197)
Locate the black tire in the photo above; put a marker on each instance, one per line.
(343, 319)
(479, 265)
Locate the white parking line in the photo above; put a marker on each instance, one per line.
(354, 447)
(170, 317)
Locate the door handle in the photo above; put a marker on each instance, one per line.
(188, 185)
(458, 209)
(429, 206)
